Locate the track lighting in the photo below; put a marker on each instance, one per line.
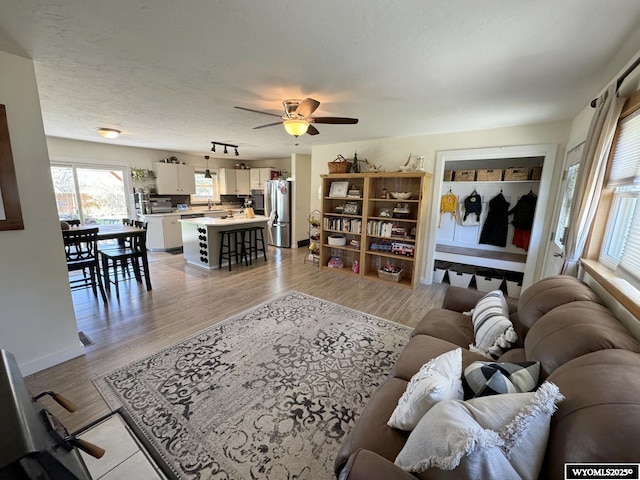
(225, 145)
(207, 172)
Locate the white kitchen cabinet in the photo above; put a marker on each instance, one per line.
(234, 182)
(163, 232)
(175, 178)
(258, 177)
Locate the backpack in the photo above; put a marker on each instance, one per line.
(473, 204)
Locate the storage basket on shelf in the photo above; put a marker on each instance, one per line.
(491, 175)
(488, 280)
(339, 165)
(391, 276)
(536, 173)
(520, 173)
(464, 175)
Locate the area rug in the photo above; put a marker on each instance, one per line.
(267, 394)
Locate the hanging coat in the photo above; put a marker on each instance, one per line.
(496, 225)
(524, 212)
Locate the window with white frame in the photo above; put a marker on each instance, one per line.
(621, 243)
(206, 188)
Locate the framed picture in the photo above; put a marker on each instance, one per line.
(339, 189)
(352, 208)
(10, 211)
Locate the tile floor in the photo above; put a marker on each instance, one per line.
(124, 458)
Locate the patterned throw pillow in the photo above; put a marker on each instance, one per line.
(437, 380)
(487, 378)
(502, 436)
(492, 330)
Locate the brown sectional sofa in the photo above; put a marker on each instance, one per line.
(581, 347)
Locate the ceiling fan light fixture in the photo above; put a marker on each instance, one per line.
(109, 133)
(296, 126)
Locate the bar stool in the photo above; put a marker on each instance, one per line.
(255, 235)
(232, 245)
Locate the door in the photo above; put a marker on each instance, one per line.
(555, 250)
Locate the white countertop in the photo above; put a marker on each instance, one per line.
(205, 210)
(223, 222)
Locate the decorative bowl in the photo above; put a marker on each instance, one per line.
(401, 195)
(337, 240)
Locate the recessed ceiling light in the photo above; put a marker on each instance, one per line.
(109, 133)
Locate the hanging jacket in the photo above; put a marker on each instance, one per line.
(496, 225)
(524, 212)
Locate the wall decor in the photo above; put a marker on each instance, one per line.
(339, 189)
(10, 211)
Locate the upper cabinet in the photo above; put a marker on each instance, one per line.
(175, 178)
(258, 177)
(234, 181)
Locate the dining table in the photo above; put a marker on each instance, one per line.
(118, 231)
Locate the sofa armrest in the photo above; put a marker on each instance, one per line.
(461, 299)
(366, 465)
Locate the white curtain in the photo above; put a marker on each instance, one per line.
(593, 165)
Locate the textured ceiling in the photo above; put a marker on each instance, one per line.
(168, 73)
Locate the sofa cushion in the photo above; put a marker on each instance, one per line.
(371, 431)
(572, 330)
(422, 348)
(491, 378)
(504, 436)
(547, 294)
(492, 329)
(599, 421)
(446, 325)
(515, 355)
(437, 380)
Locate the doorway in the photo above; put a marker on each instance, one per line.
(554, 257)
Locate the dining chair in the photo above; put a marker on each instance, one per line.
(81, 249)
(116, 261)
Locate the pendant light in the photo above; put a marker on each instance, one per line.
(207, 172)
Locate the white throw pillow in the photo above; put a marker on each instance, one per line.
(492, 330)
(438, 379)
(501, 436)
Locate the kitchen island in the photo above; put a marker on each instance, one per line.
(201, 237)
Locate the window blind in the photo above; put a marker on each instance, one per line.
(630, 260)
(625, 166)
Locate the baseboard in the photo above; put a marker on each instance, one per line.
(38, 364)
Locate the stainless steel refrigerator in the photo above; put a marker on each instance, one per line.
(277, 199)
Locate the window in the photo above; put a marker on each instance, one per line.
(90, 194)
(206, 188)
(621, 243)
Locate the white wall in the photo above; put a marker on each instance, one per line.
(301, 174)
(391, 153)
(37, 320)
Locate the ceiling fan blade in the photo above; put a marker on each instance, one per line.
(268, 125)
(335, 120)
(312, 130)
(258, 111)
(307, 107)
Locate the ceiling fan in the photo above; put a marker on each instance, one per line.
(297, 117)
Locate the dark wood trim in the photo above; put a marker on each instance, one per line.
(8, 183)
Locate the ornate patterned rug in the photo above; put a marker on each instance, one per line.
(267, 394)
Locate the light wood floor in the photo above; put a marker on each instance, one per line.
(187, 299)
